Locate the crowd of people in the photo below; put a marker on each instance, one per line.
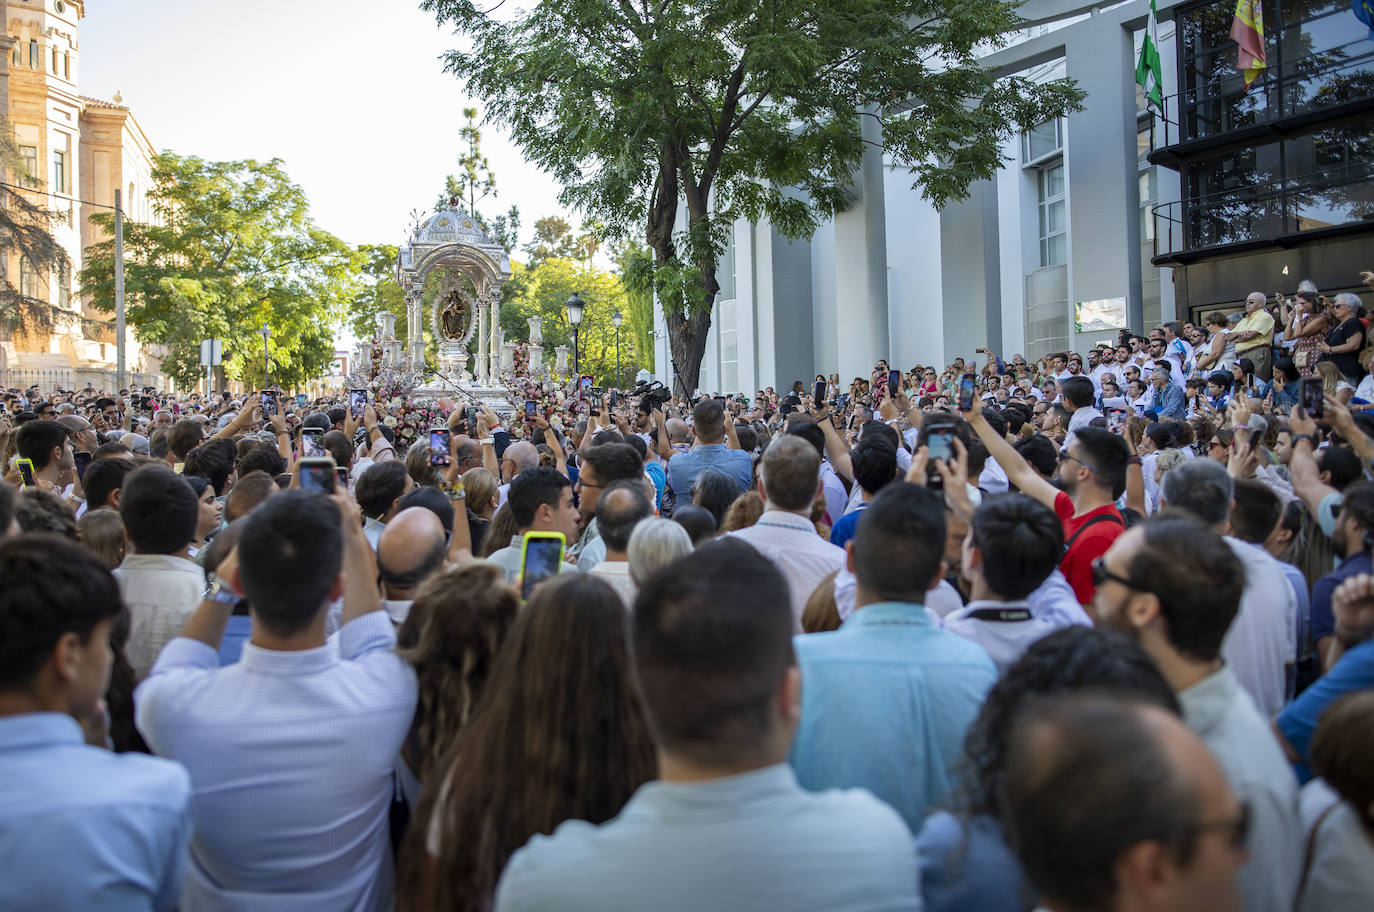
(1086, 633)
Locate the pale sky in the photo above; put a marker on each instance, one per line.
(350, 94)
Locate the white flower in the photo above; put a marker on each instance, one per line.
(395, 402)
(389, 421)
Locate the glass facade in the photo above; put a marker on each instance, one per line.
(1054, 248)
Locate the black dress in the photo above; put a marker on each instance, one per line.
(1347, 363)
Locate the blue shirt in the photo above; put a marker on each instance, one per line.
(236, 633)
(83, 828)
(843, 530)
(1323, 623)
(1170, 402)
(659, 477)
(291, 755)
(753, 842)
(967, 866)
(886, 702)
(1353, 671)
(684, 468)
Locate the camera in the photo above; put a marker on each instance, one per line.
(652, 395)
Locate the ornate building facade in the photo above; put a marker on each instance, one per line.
(76, 151)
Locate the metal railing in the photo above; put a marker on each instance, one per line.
(48, 380)
(1265, 211)
(1327, 79)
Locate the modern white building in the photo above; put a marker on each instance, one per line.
(1070, 220)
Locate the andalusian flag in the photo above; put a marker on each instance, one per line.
(1247, 29)
(1148, 70)
(1364, 11)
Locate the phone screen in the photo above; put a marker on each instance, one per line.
(894, 381)
(269, 404)
(542, 559)
(586, 382)
(939, 443)
(317, 475)
(615, 399)
(357, 401)
(531, 409)
(1312, 402)
(83, 461)
(471, 415)
(438, 447)
(26, 472)
(818, 391)
(310, 443)
(341, 476)
(967, 389)
(1116, 420)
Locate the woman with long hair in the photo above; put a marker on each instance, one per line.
(499, 534)
(558, 735)
(482, 497)
(211, 512)
(454, 630)
(715, 491)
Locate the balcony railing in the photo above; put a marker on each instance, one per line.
(1335, 81)
(1277, 213)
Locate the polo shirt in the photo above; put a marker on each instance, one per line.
(844, 527)
(1353, 671)
(1077, 564)
(683, 468)
(1323, 622)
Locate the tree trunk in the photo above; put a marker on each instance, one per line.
(687, 344)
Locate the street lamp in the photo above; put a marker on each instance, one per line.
(265, 333)
(575, 306)
(616, 320)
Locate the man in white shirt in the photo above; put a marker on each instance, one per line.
(1012, 546)
(377, 490)
(291, 750)
(160, 584)
(1078, 399)
(789, 481)
(1175, 585)
(1263, 634)
(621, 507)
(410, 551)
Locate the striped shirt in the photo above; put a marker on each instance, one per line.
(291, 757)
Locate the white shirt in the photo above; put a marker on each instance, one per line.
(943, 597)
(161, 592)
(617, 573)
(835, 496)
(1055, 602)
(1080, 419)
(291, 757)
(791, 543)
(397, 609)
(993, 479)
(1341, 875)
(1004, 640)
(1263, 636)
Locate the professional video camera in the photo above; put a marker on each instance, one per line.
(652, 394)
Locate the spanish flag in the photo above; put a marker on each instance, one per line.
(1248, 31)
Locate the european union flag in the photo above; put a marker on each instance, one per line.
(1364, 11)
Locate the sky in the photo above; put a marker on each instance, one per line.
(350, 94)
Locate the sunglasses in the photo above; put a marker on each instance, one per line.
(1102, 575)
(1065, 454)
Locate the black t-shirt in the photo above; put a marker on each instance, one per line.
(1347, 363)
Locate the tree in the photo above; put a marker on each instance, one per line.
(636, 264)
(25, 232)
(475, 182)
(553, 237)
(235, 249)
(543, 289)
(730, 107)
(378, 291)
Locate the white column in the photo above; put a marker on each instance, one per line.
(482, 343)
(494, 301)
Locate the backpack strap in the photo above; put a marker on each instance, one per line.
(1105, 517)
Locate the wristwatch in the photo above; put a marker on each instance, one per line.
(221, 594)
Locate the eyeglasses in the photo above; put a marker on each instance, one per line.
(1065, 454)
(582, 484)
(1101, 575)
(1236, 829)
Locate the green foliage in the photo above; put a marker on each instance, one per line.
(235, 249)
(636, 264)
(475, 182)
(25, 235)
(378, 291)
(741, 109)
(543, 289)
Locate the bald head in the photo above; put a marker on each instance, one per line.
(677, 430)
(518, 457)
(1254, 301)
(410, 550)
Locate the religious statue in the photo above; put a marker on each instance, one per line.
(453, 317)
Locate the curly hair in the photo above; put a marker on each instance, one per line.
(559, 734)
(455, 628)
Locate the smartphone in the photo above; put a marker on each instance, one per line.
(341, 477)
(438, 447)
(311, 447)
(317, 474)
(541, 557)
(301, 400)
(615, 399)
(531, 409)
(471, 415)
(894, 382)
(939, 442)
(25, 472)
(357, 401)
(818, 392)
(1116, 420)
(83, 462)
(967, 389)
(268, 402)
(1310, 395)
(586, 383)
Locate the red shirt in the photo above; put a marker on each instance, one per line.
(1077, 564)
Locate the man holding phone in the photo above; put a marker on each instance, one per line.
(47, 445)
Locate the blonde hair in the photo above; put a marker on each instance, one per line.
(102, 532)
(1330, 375)
(743, 513)
(479, 488)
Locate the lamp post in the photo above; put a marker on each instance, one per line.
(616, 320)
(575, 306)
(265, 363)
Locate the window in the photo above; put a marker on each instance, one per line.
(1042, 141)
(1051, 203)
(28, 279)
(54, 60)
(729, 347)
(64, 289)
(14, 54)
(59, 171)
(29, 155)
(66, 65)
(33, 54)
